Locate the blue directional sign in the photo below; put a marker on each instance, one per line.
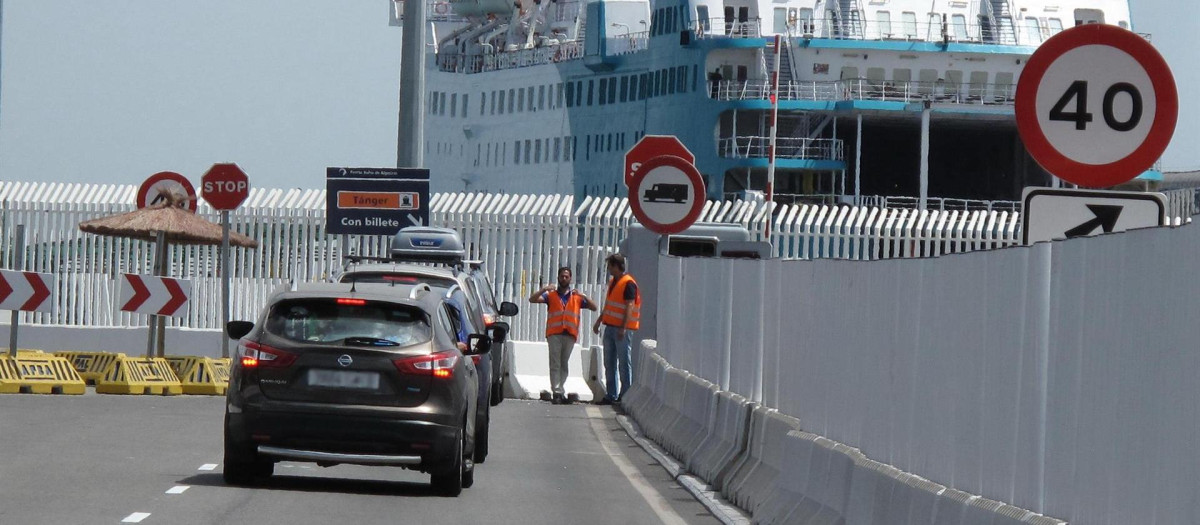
(375, 201)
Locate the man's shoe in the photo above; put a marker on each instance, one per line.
(604, 401)
(558, 399)
(545, 395)
(572, 398)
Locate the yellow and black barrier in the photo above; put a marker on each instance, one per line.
(139, 376)
(35, 372)
(90, 365)
(201, 375)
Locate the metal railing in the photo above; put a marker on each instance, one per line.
(458, 63)
(938, 203)
(626, 44)
(993, 94)
(743, 147)
(927, 31)
(435, 11)
(722, 28)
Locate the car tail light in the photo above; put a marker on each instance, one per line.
(440, 365)
(351, 302)
(255, 355)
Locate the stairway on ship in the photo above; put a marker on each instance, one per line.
(1006, 29)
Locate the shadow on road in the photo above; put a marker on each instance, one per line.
(321, 484)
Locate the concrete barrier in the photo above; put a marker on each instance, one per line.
(529, 371)
(752, 482)
(728, 433)
(696, 404)
(636, 396)
(643, 405)
(661, 418)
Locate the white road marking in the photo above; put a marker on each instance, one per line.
(178, 489)
(136, 517)
(208, 466)
(658, 503)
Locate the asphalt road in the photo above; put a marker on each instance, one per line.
(113, 459)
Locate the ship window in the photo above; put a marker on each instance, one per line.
(587, 148)
(482, 104)
(610, 142)
(512, 99)
(883, 21)
(541, 97)
(668, 20)
(633, 87)
(954, 80)
(682, 85)
(559, 94)
(570, 147)
(500, 105)
(578, 93)
(537, 151)
(1055, 25)
(806, 21)
(662, 82)
(908, 24)
(557, 147)
(612, 90)
(453, 104)
(516, 152)
(433, 103)
(466, 98)
(591, 87)
(935, 27)
(978, 86)
(655, 19)
(958, 27)
(781, 20)
(901, 76)
(570, 92)
(702, 17)
(695, 76)
(493, 103)
(521, 101)
(928, 78)
(529, 98)
(603, 91)
(528, 146)
(625, 88)
(1033, 31)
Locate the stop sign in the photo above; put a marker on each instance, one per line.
(225, 186)
(653, 146)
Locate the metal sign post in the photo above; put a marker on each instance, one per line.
(224, 281)
(771, 148)
(160, 254)
(19, 264)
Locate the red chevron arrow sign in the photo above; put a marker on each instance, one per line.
(26, 291)
(145, 294)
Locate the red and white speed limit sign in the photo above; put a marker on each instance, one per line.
(1096, 105)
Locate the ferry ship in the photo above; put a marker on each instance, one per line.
(908, 98)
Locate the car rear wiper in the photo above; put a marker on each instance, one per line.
(369, 341)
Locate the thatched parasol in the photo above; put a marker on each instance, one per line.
(180, 226)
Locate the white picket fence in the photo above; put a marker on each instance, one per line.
(522, 238)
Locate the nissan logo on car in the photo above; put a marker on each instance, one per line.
(345, 360)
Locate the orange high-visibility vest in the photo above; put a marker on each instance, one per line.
(614, 305)
(563, 316)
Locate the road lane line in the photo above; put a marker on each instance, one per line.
(208, 466)
(656, 501)
(136, 517)
(179, 489)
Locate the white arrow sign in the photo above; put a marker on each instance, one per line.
(145, 294)
(26, 291)
(1065, 214)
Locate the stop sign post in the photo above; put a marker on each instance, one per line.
(651, 146)
(225, 186)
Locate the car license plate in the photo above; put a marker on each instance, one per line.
(343, 379)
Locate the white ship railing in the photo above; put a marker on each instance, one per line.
(744, 147)
(458, 63)
(722, 28)
(938, 203)
(626, 44)
(864, 89)
(435, 11)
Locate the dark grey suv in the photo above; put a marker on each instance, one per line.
(352, 373)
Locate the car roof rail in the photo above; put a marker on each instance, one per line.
(419, 290)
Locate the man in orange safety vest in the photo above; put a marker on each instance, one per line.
(621, 316)
(563, 305)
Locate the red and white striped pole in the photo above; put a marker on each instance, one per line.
(771, 146)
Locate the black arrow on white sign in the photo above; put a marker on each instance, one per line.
(1106, 217)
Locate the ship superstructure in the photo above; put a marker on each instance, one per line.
(877, 97)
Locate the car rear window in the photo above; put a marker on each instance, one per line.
(329, 320)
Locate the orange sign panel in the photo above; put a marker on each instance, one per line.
(376, 200)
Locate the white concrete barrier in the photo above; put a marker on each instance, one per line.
(725, 440)
(669, 410)
(696, 405)
(529, 371)
(636, 396)
(760, 467)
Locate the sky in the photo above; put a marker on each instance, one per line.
(115, 91)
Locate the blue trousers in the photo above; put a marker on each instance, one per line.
(616, 358)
